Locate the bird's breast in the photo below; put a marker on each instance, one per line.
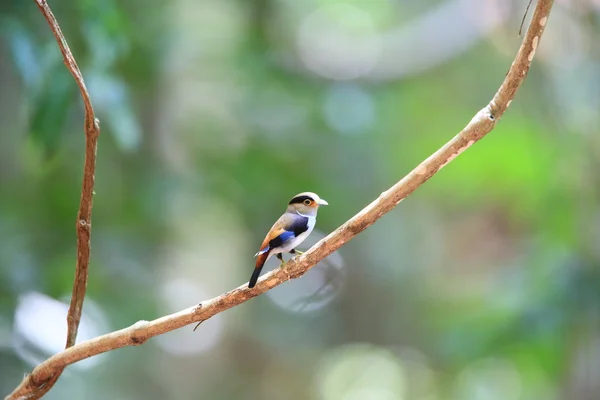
(311, 223)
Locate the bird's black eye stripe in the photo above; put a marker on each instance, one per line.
(300, 199)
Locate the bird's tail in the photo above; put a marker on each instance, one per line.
(260, 261)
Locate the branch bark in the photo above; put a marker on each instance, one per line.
(481, 124)
(38, 388)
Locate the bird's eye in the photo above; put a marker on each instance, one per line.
(307, 202)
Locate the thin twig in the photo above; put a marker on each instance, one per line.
(524, 16)
(481, 124)
(84, 215)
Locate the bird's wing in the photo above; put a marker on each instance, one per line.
(287, 227)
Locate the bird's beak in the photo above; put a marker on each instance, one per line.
(322, 202)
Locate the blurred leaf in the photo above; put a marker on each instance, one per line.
(106, 31)
(111, 100)
(23, 51)
(50, 108)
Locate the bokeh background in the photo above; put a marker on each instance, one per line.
(482, 285)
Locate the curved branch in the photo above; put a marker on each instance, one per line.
(84, 216)
(481, 124)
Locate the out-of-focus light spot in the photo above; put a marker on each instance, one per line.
(489, 379)
(339, 41)
(197, 112)
(349, 109)
(441, 34)
(568, 44)
(177, 294)
(14, 251)
(567, 50)
(275, 111)
(206, 244)
(23, 52)
(486, 14)
(422, 381)
(104, 47)
(315, 289)
(360, 371)
(40, 328)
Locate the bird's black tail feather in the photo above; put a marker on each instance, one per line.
(254, 277)
(261, 259)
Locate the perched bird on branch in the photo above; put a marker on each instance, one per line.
(289, 231)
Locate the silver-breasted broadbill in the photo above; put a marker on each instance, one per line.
(291, 229)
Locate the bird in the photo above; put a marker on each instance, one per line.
(291, 229)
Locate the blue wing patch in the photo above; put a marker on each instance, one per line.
(277, 242)
(281, 239)
(287, 235)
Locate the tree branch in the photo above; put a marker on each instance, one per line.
(38, 388)
(481, 124)
(84, 216)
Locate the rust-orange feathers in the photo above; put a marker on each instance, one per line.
(264, 252)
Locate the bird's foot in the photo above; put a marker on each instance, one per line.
(282, 266)
(298, 252)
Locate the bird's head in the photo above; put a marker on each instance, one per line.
(306, 203)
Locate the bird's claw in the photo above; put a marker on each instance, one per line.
(282, 267)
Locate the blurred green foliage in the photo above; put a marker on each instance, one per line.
(483, 284)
